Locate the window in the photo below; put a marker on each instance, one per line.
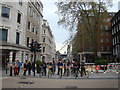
(33, 28)
(17, 37)
(33, 14)
(19, 18)
(107, 40)
(36, 31)
(5, 12)
(44, 31)
(3, 34)
(101, 27)
(43, 39)
(106, 27)
(20, 2)
(27, 41)
(29, 10)
(102, 33)
(43, 49)
(107, 33)
(101, 40)
(102, 48)
(28, 25)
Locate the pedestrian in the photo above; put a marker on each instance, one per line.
(44, 66)
(60, 67)
(75, 67)
(54, 67)
(33, 66)
(29, 65)
(25, 68)
(15, 68)
(83, 69)
(19, 65)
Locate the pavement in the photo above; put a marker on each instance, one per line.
(109, 74)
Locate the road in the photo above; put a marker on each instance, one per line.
(13, 82)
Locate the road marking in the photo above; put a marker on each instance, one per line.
(4, 77)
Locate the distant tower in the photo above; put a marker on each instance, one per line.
(119, 5)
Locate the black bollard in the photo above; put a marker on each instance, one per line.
(10, 70)
(6, 68)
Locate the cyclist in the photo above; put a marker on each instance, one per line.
(66, 68)
(44, 66)
(60, 68)
(75, 68)
(83, 69)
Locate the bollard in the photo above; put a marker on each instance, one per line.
(10, 70)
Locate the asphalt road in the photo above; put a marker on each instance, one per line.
(13, 82)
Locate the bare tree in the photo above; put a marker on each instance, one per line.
(84, 17)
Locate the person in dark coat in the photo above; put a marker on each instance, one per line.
(29, 65)
(25, 68)
(83, 69)
(44, 66)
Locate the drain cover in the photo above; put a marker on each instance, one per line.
(71, 87)
(23, 78)
(26, 82)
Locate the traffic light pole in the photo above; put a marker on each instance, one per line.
(35, 47)
(34, 61)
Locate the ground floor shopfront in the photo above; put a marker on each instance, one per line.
(10, 53)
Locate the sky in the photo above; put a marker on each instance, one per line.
(60, 33)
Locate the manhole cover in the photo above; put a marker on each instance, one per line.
(23, 78)
(26, 82)
(71, 87)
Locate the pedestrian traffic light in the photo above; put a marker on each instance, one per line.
(31, 46)
(38, 47)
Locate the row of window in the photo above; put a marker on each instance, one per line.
(116, 20)
(4, 35)
(116, 40)
(105, 27)
(32, 28)
(116, 29)
(105, 33)
(36, 4)
(104, 40)
(116, 50)
(33, 14)
(105, 48)
(5, 13)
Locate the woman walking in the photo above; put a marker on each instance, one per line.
(25, 68)
(15, 68)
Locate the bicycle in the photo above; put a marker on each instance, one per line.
(75, 72)
(41, 73)
(85, 73)
(67, 72)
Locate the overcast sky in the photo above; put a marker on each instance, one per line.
(60, 33)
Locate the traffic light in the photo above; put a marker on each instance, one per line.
(38, 47)
(31, 46)
(35, 47)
